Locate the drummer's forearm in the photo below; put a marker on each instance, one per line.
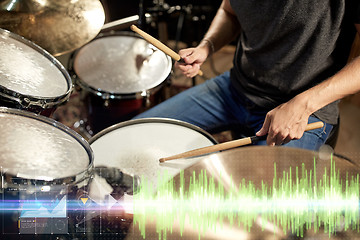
(342, 84)
(223, 29)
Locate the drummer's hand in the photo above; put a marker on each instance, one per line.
(193, 58)
(285, 122)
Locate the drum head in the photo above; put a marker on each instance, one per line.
(121, 64)
(28, 70)
(135, 146)
(35, 147)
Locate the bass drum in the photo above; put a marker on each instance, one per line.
(30, 78)
(120, 75)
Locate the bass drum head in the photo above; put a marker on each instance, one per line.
(39, 148)
(135, 146)
(120, 64)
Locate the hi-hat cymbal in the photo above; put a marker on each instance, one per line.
(57, 26)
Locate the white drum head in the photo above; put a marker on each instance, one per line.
(136, 146)
(35, 147)
(121, 64)
(29, 70)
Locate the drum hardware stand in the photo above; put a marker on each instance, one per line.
(161, 11)
(146, 98)
(183, 10)
(119, 181)
(141, 20)
(193, 81)
(164, 10)
(83, 128)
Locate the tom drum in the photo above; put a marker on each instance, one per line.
(120, 76)
(30, 78)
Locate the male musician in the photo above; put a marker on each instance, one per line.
(288, 70)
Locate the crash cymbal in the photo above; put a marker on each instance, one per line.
(252, 168)
(56, 26)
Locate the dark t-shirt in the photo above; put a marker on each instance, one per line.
(287, 47)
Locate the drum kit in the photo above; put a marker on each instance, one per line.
(119, 75)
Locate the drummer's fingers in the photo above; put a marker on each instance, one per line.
(189, 70)
(190, 59)
(193, 55)
(282, 136)
(193, 70)
(265, 127)
(275, 133)
(285, 135)
(294, 134)
(186, 52)
(183, 67)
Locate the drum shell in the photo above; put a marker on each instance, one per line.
(44, 111)
(101, 113)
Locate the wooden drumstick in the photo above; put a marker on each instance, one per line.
(230, 144)
(160, 45)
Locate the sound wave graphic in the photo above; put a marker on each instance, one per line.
(290, 204)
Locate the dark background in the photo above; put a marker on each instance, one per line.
(196, 16)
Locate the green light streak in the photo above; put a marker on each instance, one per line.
(287, 203)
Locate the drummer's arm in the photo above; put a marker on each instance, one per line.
(345, 82)
(223, 29)
(288, 121)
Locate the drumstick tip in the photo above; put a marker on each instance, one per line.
(133, 27)
(162, 160)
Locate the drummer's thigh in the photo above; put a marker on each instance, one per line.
(207, 105)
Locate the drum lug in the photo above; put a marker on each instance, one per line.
(25, 103)
(146, 98)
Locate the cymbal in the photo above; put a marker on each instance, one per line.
(57, 26)
(255, 164)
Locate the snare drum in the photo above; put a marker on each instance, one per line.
(120, 76)
(135, 146)
(30, 78)
(42, 161)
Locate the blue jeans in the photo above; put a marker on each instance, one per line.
(215, 106)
